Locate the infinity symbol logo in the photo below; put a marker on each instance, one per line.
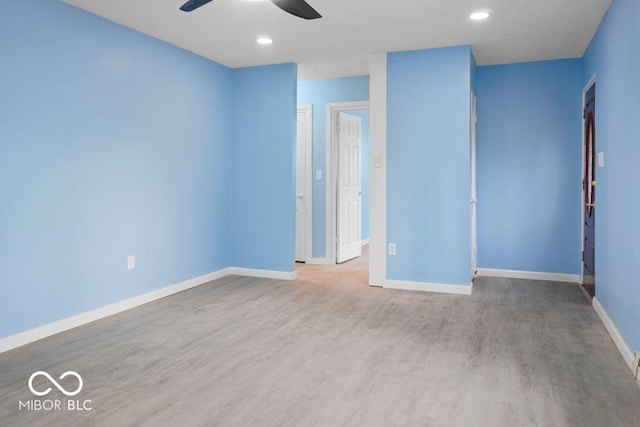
(55, 383)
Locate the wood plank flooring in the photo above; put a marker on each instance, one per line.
(327, 350)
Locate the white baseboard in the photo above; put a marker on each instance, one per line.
(318, 261)
(36, 334)
(265, 274)
(428, 287)
(365, 242)
(624, 349)
(529, 275)
(54, 328)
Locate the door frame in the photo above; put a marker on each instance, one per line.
(331, 171)
(308, 110)
(474, 184)
(588, 86)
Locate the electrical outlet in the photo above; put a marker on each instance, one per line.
(392, 249)
(131, 262)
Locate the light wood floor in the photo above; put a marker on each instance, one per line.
(327, 350)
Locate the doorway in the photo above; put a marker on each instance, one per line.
(349, 184)
(334, 111)
(355, 122)
(589, 193)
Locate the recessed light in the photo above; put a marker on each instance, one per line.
(479, 15)
(264, 40)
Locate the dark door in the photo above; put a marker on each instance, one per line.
(589, 186)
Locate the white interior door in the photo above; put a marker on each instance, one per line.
(349, 220)
(303, 179)
(474, 200)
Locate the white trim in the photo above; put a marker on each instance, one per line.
(59, 326)
(36, 334)
(378, 175)
(474, 188)
(582, 201)
(441, 288)
(365, 242)
(623, 348)
(318, 261)
(529, 275)
(265, 274)
(331, 172)
(308, 110)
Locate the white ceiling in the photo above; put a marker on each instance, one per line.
(340, 43)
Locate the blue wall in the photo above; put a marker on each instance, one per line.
(364, 115)
(429, 173)
(613, 56)
(529, 160)
(319, 93)
(113, 143)
(263, 193)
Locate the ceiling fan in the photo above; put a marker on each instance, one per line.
(298, 8)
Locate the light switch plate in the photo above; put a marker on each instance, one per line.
(131, 262)
(601, 159)
(319, 175)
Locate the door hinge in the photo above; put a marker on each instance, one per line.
(338, 127)
(584, 113)
(582, 256)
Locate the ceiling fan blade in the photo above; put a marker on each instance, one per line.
(298, 8)
(193, 4)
